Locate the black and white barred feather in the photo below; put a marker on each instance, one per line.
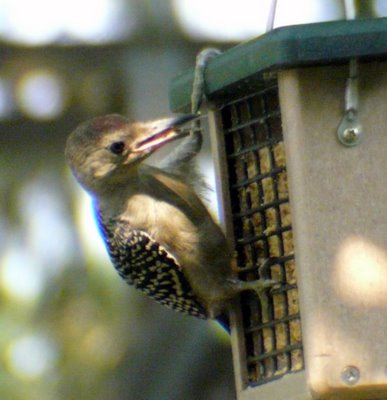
(149, 267)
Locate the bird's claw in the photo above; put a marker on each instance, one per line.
(259, 287)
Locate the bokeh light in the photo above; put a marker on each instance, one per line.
(21, 277)
(220, 20)
(41, 22)
(30, 357)
(98, 21)
(381, 8)
(30, 22)
(42, 212)
(303, 12)
(35, 255)
(41, 94)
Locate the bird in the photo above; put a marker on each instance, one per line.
(159, 234)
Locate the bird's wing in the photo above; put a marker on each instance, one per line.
(148, 266)
(180, 195)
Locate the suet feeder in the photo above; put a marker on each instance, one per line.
(298, 125)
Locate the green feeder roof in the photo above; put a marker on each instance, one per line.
(283, 48)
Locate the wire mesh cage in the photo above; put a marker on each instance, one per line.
(273, 110)
(262, 231)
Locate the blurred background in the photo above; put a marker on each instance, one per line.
(70, 328)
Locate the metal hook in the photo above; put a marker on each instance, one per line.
(350, 132)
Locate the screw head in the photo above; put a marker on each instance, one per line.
(351, 136)
(350, 131)
(350, 375)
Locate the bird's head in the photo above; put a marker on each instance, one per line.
(106, 150)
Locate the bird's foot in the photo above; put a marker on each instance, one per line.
(259, 286)
(199, 83)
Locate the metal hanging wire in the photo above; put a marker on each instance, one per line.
(271, 17)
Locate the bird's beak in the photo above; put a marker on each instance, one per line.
(162, 132)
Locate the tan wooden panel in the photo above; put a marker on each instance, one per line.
(338, 201)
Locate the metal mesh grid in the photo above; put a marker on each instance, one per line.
(262, 229)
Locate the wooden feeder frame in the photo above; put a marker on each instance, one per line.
(288, 88)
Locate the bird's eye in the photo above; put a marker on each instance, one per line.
(117, 147)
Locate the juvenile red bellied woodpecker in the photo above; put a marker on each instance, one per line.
(160, 236)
